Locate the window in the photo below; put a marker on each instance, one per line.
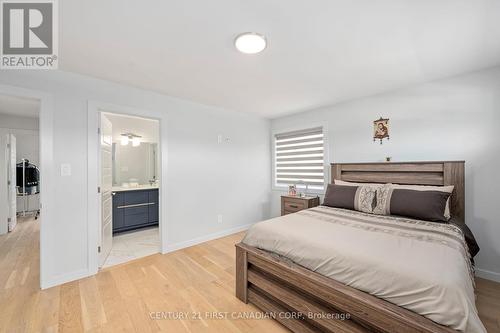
(299, 159)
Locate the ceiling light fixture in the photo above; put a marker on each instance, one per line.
(136, 142)
(127, 137)
(250, 43)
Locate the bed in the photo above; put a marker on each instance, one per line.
(285, 266)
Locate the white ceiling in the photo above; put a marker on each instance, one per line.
(319, 52)
(148, 129)
(19, 106)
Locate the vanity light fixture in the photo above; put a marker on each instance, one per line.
(250, 43)
(127, 137)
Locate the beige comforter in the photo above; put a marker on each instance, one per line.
(421, 266)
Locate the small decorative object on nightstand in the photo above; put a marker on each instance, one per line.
(291, 204)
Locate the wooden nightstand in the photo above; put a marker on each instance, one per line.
(291, 204)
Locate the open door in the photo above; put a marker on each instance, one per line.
(11, 181)
(106, 239)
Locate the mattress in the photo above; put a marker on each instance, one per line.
(422, 266)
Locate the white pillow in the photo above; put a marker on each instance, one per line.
(341, 182)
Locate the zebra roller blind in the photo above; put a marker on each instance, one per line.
(299, 158)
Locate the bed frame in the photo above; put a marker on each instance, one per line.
(305, 301)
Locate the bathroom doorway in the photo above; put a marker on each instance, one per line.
(129, 188)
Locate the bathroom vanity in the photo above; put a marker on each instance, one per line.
(134, 208)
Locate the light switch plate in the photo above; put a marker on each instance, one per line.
(65, 169)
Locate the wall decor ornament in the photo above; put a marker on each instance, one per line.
(381, 129)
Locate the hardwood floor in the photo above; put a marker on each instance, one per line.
(146, 295)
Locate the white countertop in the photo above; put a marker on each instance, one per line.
(137, 188)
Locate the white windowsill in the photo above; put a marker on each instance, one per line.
(309, 191)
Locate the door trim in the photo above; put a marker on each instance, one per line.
(12, 183)
(4, 195)
(93, 209)
(47, 173)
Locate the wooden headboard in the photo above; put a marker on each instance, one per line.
(440, 173)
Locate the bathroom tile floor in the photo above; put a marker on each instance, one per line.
(133, 245)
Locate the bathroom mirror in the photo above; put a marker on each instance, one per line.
(135, 164)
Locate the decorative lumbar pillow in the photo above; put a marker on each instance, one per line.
(361, 198)
(365, 200)
(422, 205)
(340, 196)
(383, 197)
(447, 189)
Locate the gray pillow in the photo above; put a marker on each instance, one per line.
(340, 196)
(422, 205)
(360, 198)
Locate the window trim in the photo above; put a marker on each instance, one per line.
(326, 151)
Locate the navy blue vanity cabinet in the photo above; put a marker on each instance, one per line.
(135, 217)
(153, 207)
(118, 216)
(134, 209)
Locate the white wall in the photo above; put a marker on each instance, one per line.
(17, 122)
(454, 119)
(28, 145)
(148, 129)
(204, 178)
(25, 129)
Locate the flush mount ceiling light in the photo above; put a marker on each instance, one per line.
(250, 43)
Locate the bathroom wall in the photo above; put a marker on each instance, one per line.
(134, 164)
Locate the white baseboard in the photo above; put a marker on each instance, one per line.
(206, 238)
(64, 278)
(488, 275)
